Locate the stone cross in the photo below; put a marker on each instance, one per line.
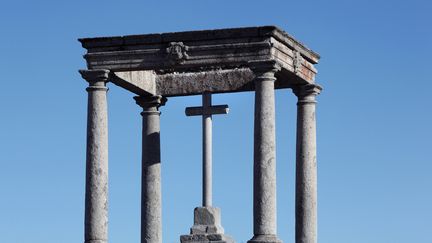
(207, 225)
(206, 111)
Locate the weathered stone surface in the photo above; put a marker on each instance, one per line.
(193, 83)
(207, 220)
(206, 238)
(151, 195)
(212, 110)
(214, 81)
(198, 45)
(96, 196)
(207, 216)
(264, 202)
(181, 60)
(139, 82)
(207, 227)
(156, 66)
(306, 165)
(265, 239)
(206, 111)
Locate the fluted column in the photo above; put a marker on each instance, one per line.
(264, 193)
(151, 200)
(306, 165)
(96, 195)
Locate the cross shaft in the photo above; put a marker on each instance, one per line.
(206, 111)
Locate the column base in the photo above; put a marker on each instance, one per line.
(207, 227)
(265, 239)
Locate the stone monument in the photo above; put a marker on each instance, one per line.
(207, 219)
(155, 67)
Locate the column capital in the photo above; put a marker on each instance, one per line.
(307, 93)
(154, 101)
(264, 70)
(95, 76)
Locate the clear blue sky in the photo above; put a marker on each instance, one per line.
(374, 121)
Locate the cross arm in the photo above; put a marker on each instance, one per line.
(212, 110)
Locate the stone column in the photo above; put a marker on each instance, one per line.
(151, 200)
(306, 167)
(96, 195)
(264, 190)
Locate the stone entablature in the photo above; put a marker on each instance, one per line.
(187, 63)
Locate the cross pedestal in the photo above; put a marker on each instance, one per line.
(207, 227)
(207, 219)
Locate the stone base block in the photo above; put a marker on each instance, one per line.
(207, 216)
(265, 239)
(207, 227)
(207, 220)
(206, 238)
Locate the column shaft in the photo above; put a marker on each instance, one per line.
(264, 202)
(151, 199)
(306, 166)
(207, 152)
(96, 195)
(264, 160)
